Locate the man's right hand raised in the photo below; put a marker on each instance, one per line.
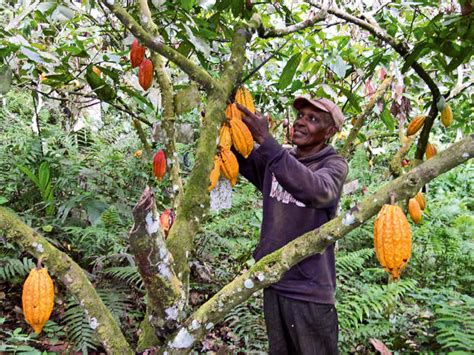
(257, 124)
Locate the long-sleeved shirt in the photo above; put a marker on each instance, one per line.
(299, 195)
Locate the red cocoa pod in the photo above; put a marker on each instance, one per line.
(159, 164)
(145, 74)
(137, 54)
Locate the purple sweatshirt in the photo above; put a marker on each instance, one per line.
(299, 195)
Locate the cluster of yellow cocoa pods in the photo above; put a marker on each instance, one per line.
(235, 133)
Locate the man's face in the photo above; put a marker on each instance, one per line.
(312, 127)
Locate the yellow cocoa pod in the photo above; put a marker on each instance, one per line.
(416, 124)
(414, 210)
(229, 166)
(215, 172)
(38, 298)
(447, 116)
(225, 137)
(392, 239)
(421, 200)
(241, 136)
(244, 97)
(232, 112)
(430, 151)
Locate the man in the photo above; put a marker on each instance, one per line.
(301, 189)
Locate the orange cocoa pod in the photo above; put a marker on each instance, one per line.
(392, 239)
(416, 124)
(430, 151)
(215, 172)
(225, 137)
(244, 97)
(232, 112)
(145, 74)
(159, 164)
(229, 166)
(421, 200)
(414, 210)
(137, 53)
(38, 298)
(241, 136)
(166, 220)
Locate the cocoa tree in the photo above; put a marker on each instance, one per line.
(182, 47)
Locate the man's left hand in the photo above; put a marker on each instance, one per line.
(257, 124)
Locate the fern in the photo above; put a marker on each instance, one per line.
(455, 326)
(129, 274)
(353, 261)
(248, 323)
(13, 269)
(78, 328)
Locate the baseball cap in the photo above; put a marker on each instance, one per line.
(323, 104)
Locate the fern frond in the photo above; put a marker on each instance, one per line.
(129, 274)
(14, 268)
(354, 260)
(78, 328)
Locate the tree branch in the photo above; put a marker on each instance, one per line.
(272, 267)
(346, 149)
(71, 275)
(194, 71)
(269, 32)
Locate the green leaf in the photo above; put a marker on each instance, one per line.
(187, 4)
(29, 173)
(289, 71)
(340, 67)
(47, 228)
(237, 7)
(416, 53)
(3, 200)
(387, 119)
(43, 176)
(104, 91)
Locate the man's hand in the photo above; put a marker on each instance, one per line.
(257, 124)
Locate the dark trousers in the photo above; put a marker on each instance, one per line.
(298, 327)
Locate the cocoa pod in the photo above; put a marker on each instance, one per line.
(159, 164)
(232, 112)
(225, 137)
(137, 53)
(38, 298)
(430, 151)
(166, 220)
(416, 124)
(145, 74)
(244, 97)
(421, 200)
(242, 138)
(447, 116)
(215, 172)
(414, 210)
(392, 239)
(229, 166)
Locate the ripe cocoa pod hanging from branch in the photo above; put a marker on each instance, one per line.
(215, 172)
(38, 298)
(392, 239)
(416, 124)
(137, 53)
(232, 112)
(447, 116)
(430, 151)
(229, 166)
(145, 74)
(242, 138)
(166, 220)
(244, 97)
(421, 200)
(159, 164)
(414, 210)
(225, 137)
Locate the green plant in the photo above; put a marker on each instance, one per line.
(44, 184)
(15, 270)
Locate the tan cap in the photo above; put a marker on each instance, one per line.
(323, 104)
